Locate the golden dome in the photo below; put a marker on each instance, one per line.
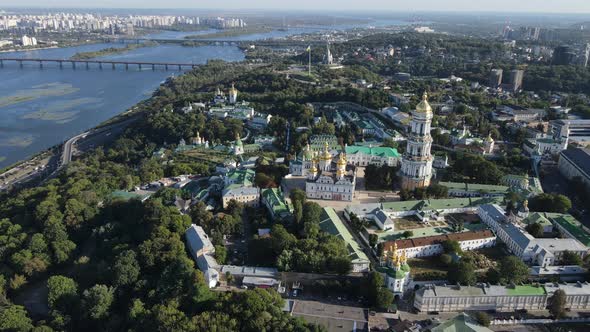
(424, 106)
(341, 160)
(326, 154)
(489, 138)
(313, 169)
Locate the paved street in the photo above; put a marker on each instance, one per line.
(333, 317)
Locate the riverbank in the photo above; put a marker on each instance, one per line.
(232, 33)
(28, 49)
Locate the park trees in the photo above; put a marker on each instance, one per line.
(126, 270)
(557, 304)
(511, 270)
(570, 258)
(550, 203)
(462, 273)
(378, 295)
(97, 300)
(62, 292)
(14, 318)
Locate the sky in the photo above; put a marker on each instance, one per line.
(547, 6)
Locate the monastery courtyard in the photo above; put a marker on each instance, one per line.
(470, 222)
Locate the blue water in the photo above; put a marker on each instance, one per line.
(67, 101)
(59, 103)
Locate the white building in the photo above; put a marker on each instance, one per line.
(424, 210)
(239, 186)
(328, 180)
(545, 145)
(202, 251)
(395, 269)
(396, 115)
(501, 298)
(249, 196)
(432, 245)
(534, 251)
(28, 41)
(416, 167)
(364, 156)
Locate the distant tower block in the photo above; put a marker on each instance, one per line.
(329, 57)
(233, 95)
(416, 168)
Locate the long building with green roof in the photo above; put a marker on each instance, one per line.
(365, 155)
(332, 224)
(424, 210)
(570, 226)
(460, 189)
(450, 298)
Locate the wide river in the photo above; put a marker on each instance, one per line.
(40, 108)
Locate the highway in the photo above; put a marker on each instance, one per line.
(41, 169)
(68, 149)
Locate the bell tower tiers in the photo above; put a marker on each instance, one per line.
(416, 167)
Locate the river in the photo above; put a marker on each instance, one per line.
(40, 108)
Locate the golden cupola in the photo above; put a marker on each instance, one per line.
(341, 166)
(326, 155)
(342, 160)
(424, 106)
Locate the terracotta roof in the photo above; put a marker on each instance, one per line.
(431, 240)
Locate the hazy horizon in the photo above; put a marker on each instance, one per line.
(498, 6)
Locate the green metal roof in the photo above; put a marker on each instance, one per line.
(439, 204)
(572, 226)
(276, 200)
(332, 224)
(242, 177)
(525, 290)
(374, 151)
(461, 323)
(487, 188)
(538, 218)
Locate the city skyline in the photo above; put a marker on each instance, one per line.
(568, 6)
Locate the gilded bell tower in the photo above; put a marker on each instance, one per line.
(416, 167)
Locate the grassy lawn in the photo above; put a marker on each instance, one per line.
(426, 265)
(206, 155)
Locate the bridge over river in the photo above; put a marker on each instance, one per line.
(99, 63)
(200, 41)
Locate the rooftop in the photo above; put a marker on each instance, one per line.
(462, 323)
(332, 224)
(374, 151)
(438, 204)
(276, 200)
(437, 239)
(579, 157)
(197, 238)
(572, 226)
(263, 272)
(484, 188)
(244, 177)
(525, 290)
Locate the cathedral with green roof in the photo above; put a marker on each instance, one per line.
(395, 268)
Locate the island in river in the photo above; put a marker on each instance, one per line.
(110, 51)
